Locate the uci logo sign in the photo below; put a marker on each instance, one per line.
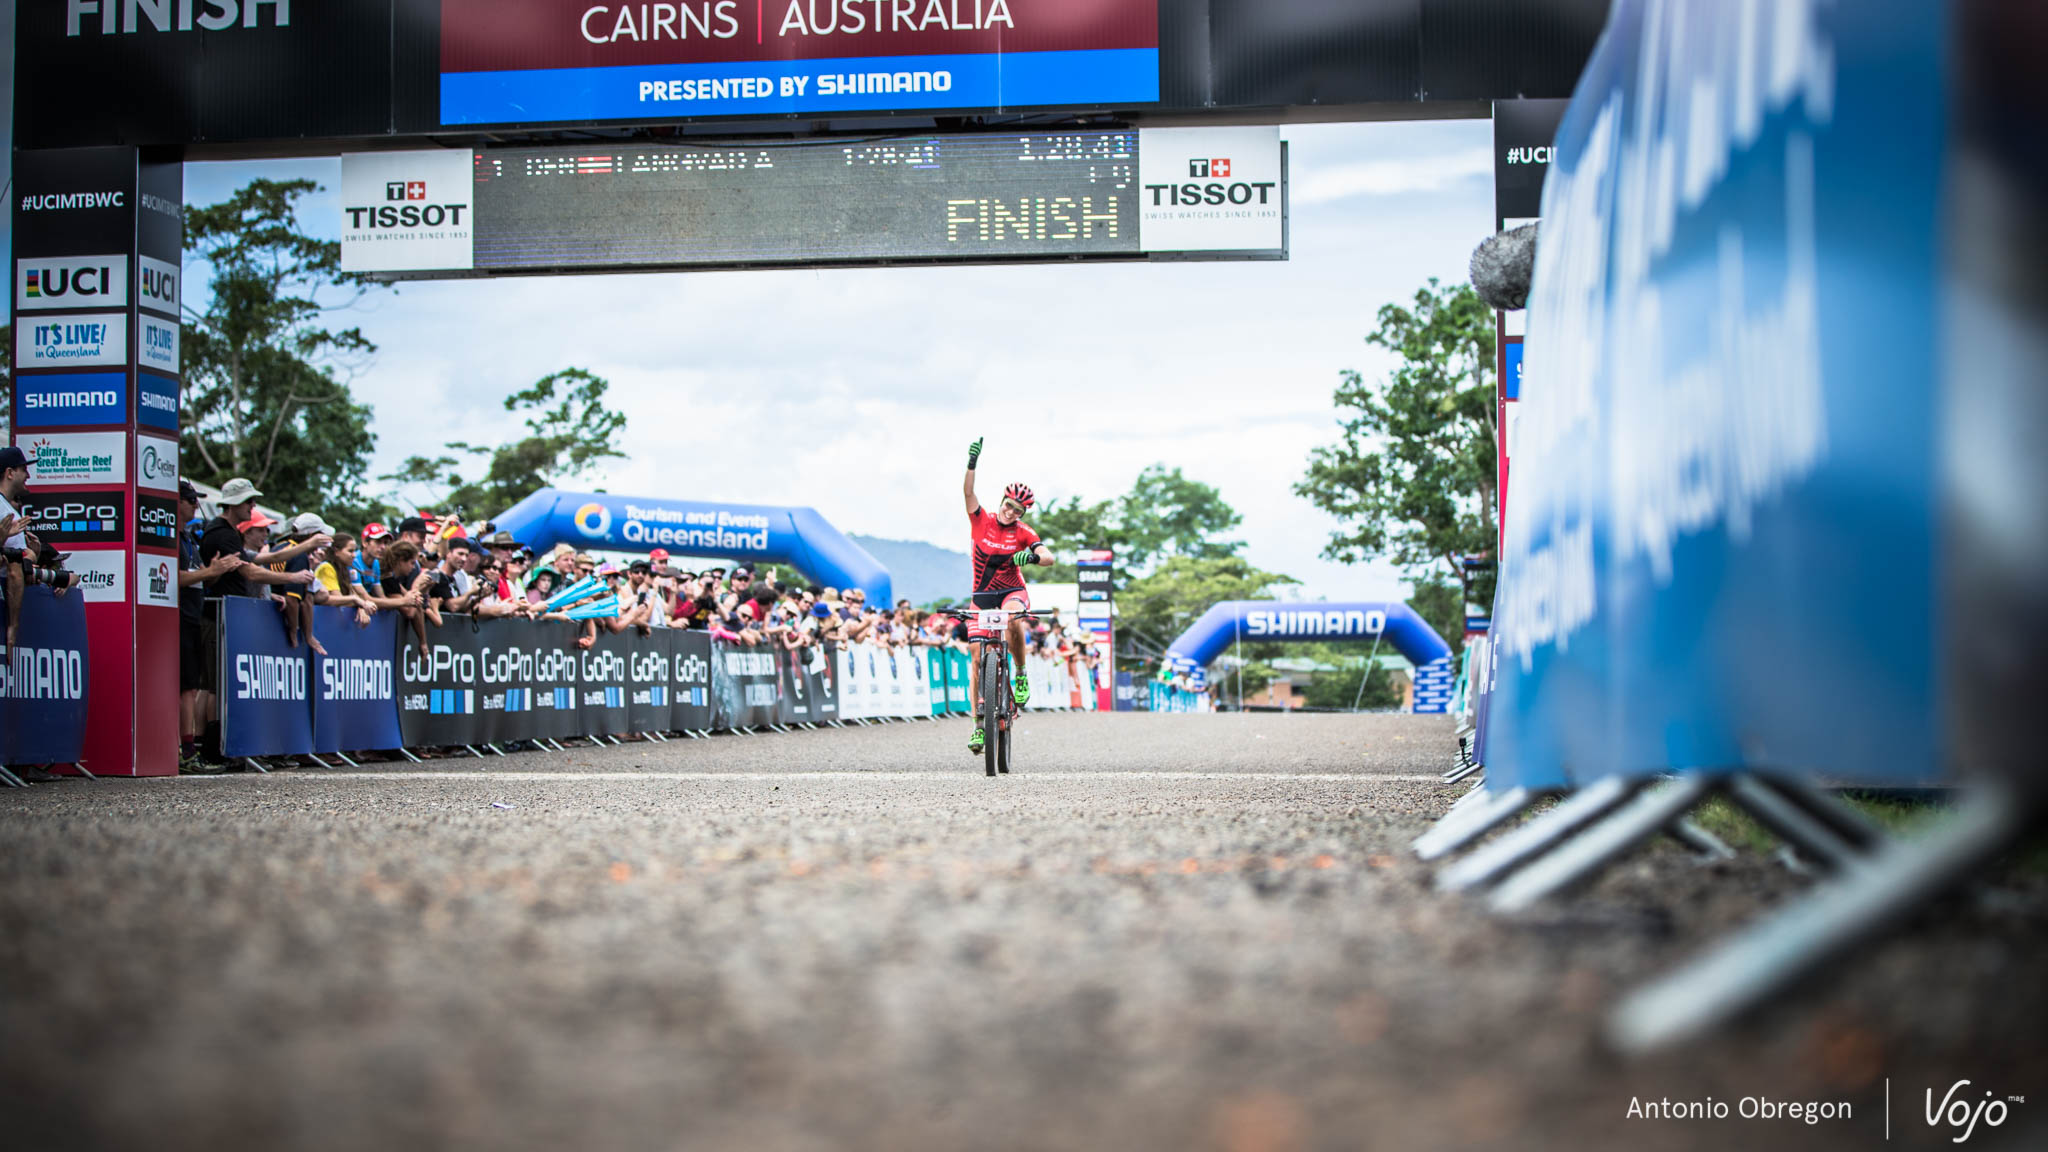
(71, 282)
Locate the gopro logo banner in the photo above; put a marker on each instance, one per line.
(71, 282)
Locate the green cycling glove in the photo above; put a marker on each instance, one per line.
(1024, 557)
(973, 453)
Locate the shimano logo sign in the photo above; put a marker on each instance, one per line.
(355, 679)
(269, 677)
(1314, 622)
(117, 17)
(70, 399)
(43, 674)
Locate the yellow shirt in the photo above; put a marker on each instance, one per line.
(327, 578)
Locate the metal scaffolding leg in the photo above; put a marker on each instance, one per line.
(1643, 816)
(1844, 820)
(10, 779)
(408, 755)
(1872, 895)
(1704, 844)
(1792, 824)
(343, 757)
(253, 762)
(1461, 828)
(1538, 836)
(80, 765)
(1457, 774)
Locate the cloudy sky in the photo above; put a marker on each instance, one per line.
(857, 391)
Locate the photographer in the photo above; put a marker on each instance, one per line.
(27, 560)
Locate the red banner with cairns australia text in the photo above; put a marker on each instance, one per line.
(536, 61)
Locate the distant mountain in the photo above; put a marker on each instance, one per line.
(920, 572)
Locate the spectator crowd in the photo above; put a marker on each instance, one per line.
(425, 570)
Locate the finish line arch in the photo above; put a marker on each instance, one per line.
(759, 533)
(1230, 621)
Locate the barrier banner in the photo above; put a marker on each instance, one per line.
(265, 709)
(528, 682)
(43, 681)
(793, 687)
(690, 686)
(437, 692)
(896, 697)
(821, 671)
(1126, 696)
(936, 660)
(852, 694)
(601, 688)
(743, 684)
(354, 693)
(650, 661)
(917, 691)
(959, 683)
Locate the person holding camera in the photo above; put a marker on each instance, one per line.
(27, 560)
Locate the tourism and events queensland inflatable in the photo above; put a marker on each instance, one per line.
(758, 533)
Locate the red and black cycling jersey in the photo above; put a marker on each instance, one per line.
(994, 544)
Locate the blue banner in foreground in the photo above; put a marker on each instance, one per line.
(265, 708)
(43, 680)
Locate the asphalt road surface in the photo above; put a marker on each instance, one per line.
(1173, 932)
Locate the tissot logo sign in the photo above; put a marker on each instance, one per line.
(1211, 190)
(407, 211)
(71, 282)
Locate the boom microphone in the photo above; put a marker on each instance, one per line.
(1503, 266)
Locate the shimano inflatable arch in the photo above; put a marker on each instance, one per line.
(754, 532)
(1266, 620)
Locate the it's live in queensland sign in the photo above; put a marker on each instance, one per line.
(537, 61)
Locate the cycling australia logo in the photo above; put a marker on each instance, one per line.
(594, 521)
(156, 464)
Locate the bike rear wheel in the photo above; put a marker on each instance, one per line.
(992, 710)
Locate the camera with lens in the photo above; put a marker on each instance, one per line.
(41, 568)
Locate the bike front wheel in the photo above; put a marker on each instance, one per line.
(993, 714)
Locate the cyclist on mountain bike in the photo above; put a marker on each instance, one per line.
(1003, 545)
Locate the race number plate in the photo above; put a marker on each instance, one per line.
(992, 617)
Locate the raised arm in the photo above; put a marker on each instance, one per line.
(967, 485)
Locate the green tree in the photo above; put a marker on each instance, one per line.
(1164, 514)
(1413, 477)
(1159, 606)
(261, 397)
(570, 431)
(1340, 689)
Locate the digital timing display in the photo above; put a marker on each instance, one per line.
(929, 198)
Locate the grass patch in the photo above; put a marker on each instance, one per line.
(1735, 828)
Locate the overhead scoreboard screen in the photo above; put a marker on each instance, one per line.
(1044, 196)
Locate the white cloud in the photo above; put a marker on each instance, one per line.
(1392, 177)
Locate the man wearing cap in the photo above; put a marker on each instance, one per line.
(194, 701)
(223, 537)
(14, 464)
(657, 562)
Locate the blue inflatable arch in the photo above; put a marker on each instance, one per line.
(1265, 620)
(753, 532)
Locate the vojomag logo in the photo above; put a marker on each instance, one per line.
(1962, 1110)
(594, 521)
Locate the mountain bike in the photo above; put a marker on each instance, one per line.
(992, 655)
